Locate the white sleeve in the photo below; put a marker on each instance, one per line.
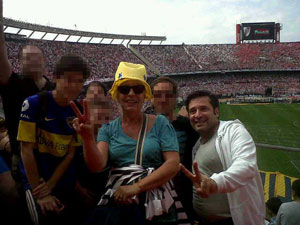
(242, 151)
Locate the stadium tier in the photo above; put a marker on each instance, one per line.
(103, 59)
(226, 69)
(222, 57)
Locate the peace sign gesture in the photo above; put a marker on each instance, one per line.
(204, 185)
(82, 124)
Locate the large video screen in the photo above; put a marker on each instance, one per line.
(258, 31)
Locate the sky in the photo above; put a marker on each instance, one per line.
(181, 21)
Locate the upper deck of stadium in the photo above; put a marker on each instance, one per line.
(159, 59)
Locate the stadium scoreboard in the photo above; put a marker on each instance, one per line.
(258, 32)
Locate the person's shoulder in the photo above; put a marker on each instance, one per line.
(182, 122)
(112, 124)
(160, 119)
(29, 108)
(110, 128)
(14, 78)
(30, 103)
(34, 99)
(225, 126)
(289, 204)
(151, 117)
(49, 86)
(152, 120)
(182, 119)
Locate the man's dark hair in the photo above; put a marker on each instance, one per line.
(273, 204)
(296, 187)
(165, 80)
(202, 93)
(71, 63)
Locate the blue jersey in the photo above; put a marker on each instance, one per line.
(52, 135)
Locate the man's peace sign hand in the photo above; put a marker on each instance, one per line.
(204, 185)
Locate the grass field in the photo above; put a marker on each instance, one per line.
(276, 124)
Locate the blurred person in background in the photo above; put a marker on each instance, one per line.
(92, 185)
(8, 190)
(15, 88)
(272, 207)
(289, 212)
(165, 93)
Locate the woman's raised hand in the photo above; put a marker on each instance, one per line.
(82, 124)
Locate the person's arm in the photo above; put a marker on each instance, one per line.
(47, 202)
(5, 143)
(156, 179)
(243, 157)
(61, 168)
(163, 174)
(30, 163)
(5, 66)
(95, 156)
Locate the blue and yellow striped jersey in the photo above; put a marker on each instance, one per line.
(52, 134)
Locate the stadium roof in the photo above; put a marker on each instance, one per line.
(68, 34)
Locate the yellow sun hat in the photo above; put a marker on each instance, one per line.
(130, 71)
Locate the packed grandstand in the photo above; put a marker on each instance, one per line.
(225, 69)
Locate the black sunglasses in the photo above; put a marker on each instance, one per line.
(137, 89)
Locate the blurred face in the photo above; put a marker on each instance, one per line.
(134, 100)
(202, 116)
(164, 100)
(69, 85)
(32, 62)
(95, 93)
(100, 109)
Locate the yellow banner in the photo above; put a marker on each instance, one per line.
(277, 185)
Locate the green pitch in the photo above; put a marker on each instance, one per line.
(276, 124)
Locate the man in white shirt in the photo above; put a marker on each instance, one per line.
(227, 185)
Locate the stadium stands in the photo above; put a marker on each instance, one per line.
(223, 57)
(103, 59)
(225, 69)
(240, 83)
(168, 58)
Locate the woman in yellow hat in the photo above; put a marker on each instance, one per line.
(138, 190)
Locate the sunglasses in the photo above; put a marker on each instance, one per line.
(137, 89)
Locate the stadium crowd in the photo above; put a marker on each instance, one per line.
(178, 59)
(103, 59)
(223, 57)
(240, 84)
(171, 59)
